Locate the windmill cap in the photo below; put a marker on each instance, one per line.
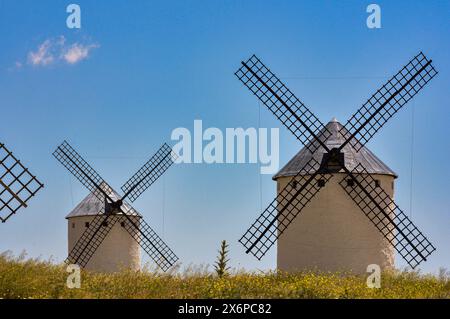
(93, 206)
(338, 135)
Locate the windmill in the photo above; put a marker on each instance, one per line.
(17, 184)
(375, 203)
(115, 209)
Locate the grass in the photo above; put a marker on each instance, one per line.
(34, 278)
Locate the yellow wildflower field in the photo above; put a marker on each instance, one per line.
(32, 278)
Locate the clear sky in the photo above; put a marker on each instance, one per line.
(117, 87)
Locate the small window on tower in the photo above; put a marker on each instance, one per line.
(122, 224)
(73, 225)
(321, 182)
(105, 224)
(377, 183)
(350, 182)
(86, 224)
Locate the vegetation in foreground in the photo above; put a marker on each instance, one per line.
(33, 278)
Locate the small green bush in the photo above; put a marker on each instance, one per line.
(221, 266)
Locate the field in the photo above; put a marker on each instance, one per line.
(30, 278)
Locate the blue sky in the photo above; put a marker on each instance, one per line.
(153, 66)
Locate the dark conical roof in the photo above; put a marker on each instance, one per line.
(352, 158)
(91, 205)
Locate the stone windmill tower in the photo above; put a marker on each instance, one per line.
(332, 234)
(118, 250)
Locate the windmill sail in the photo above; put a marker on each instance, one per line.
(17, 184)
(389, 99)
(269, 89)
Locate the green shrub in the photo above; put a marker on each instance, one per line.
(221, 266)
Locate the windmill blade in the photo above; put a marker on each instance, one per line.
(82, 171)
(91, 239)
(282, 103)
(389, 219)
(401, 88)
(152, 244)
(147, 238)
(149, 172)
(301, 189)
(17, 184)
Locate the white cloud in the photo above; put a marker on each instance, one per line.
(56, 50)
(43, 56)
(78, 52)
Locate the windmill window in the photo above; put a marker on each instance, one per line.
(122, 224)
(350, 182)
(86, 224)
(73, 225)
(105, 224)
(321, 182)
(377, 183)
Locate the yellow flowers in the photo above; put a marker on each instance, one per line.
(20, 278)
